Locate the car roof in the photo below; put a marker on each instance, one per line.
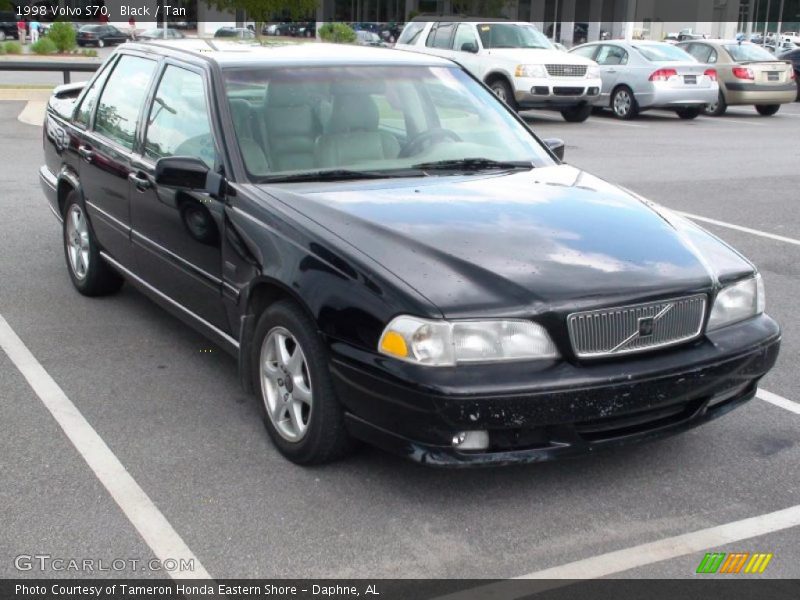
(238, 54)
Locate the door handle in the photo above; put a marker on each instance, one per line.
(611, 70)
(85, 153)
(140, 181)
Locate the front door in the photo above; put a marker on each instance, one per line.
(177, 233)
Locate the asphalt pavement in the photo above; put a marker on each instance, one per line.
(173, 413)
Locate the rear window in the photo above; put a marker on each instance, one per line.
(747, 52)
(411, 33)
(664, 53)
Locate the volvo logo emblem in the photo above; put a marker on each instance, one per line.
(646, 326)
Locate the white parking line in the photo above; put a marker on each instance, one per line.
(134, 502)
(722, 119)
(765, 234)
(610, 121)
(618, 561)
(778, 401)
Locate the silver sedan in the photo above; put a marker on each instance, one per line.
(639, 75)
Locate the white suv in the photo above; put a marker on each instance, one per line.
(514, 59)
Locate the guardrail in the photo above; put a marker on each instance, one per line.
(65, 66)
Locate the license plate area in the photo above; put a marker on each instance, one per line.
(773, 76)
(690, 79)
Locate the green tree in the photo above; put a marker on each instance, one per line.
(63, 36)
(338, 33)
(268, 10)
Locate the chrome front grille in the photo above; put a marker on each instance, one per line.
(566, 70)
(636, 328)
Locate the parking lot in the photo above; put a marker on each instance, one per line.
(169, 407)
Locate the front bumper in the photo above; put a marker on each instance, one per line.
(535, 413)
(555, 92)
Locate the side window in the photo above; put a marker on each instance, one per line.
(712, 57)
(440, 35)
(611, 55)
(122, 99)
(410, 33)
(585, 51)
(178, 124)
(86, 107)
(465, 34)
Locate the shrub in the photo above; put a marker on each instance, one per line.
(2, 49)
(91, 52)
(43, 46)
(13, 48)
(62, 35)
(338, 33)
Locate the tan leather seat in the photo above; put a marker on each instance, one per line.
(253, 154)
(353, 135)
(292, 127)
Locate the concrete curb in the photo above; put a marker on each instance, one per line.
(25, 94)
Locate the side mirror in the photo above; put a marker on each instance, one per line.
(188, 172)
(556, 147)
(469, 47)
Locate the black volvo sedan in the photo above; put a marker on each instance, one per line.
(394, 256)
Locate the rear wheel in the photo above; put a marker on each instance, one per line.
(100, 43)
(502, 90)
(292, 378)
(577, 114)
(623, 103)
(717, 108)
(767, 110)
(689, 112)
(2, 36)
(90, 274)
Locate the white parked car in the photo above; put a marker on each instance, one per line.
(515, 60)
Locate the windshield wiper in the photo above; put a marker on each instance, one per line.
(339, 175)
(474, 164)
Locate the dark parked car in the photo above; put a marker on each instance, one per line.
(158, 34)
(393, 255)
(8, 25)
(241, 33)
(793, 56)
(100, 35)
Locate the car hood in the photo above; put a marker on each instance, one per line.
(534, 56)
(546, 239)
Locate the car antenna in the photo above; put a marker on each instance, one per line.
(211, 45)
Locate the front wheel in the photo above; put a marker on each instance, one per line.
(90, 275)
(292, 378)
(718, 108)
(577, 114)
(688, 113)
(767, 110)
(503, 91)
(623, 103)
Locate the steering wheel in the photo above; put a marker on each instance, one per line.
(427, 138)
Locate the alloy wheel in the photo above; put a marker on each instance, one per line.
(285, 384)
(622, 103)
(78, 242)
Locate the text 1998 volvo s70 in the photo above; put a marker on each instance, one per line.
(394, 256)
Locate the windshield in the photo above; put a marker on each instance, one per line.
(748, 52)
(381, 119)
(512, 35)
(664, 53)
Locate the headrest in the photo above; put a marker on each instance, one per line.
(240, 110)
(353, 113)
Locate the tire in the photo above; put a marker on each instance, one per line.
(577, 114)
(502, 90)
(797, 81)
(623, 103)
(689, 112)
(767, 110)
(100, 43)
(2, 36)
(317, 432)
(89, 273)
(718, 109)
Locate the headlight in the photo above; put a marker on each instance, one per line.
(737, 302)
(592, 72)
(444, 343)
(530, 71)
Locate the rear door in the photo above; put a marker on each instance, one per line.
(105, 152)
(177, 233)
